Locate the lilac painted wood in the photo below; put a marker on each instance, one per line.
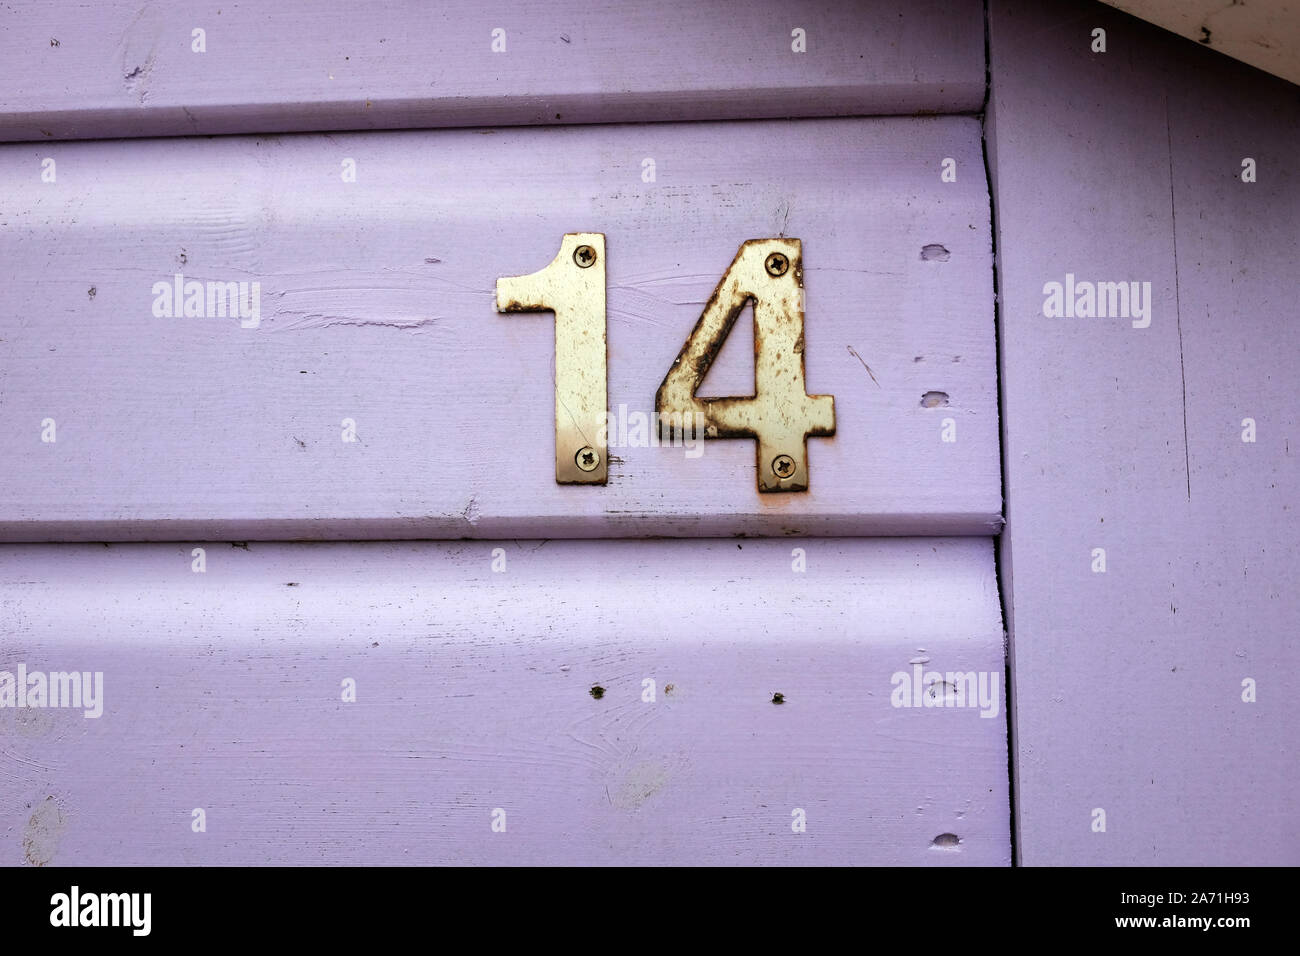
(116, 68)
(223, 691)
(377, 309)
(1128, 684)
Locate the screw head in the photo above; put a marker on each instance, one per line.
(777, 264)
(587, 458)
(584, 256)
(783, 466)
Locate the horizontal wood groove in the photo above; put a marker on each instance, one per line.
(754, 525)
(351, 117)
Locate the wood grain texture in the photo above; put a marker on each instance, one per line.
(377, 306)
(121, 68)
(221, 691)
(1128, 684)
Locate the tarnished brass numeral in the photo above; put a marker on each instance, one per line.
(573, 287)
(780, 413)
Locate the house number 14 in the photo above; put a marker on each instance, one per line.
(780, 415)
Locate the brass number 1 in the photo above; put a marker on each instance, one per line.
(573, 287)
(780, 413)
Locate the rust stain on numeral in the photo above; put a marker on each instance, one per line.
(780, 414)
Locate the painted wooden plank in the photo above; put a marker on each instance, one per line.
(120, 68)
(376, 308)
(1128, 682)
(223, 691)
(1265, 35)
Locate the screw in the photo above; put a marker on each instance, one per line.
(783, 465)
(586, 458)
(777, 264)
(584, 256)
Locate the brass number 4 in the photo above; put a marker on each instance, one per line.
(780, 413)
(573, 286)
